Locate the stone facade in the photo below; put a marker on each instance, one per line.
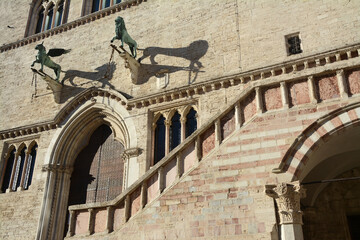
(264, 118)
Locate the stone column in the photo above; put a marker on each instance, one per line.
(287, 197)
(60, 180)
(217, 133)
(259, 101)
(129, 157)
(284, 95)
(342, 83)
(312, 90)
(183, 128)
(167, 136)
(238, 117)
(152, 145)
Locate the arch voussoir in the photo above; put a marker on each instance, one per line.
(318, 133)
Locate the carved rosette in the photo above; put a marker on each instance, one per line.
(287, 197)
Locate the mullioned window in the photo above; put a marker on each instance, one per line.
(91, 6)
(46, 14)
(170, 128)
(17, 167)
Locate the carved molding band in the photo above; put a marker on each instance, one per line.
(57, 168)
(287, 197)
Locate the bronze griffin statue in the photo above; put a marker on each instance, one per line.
(44, 58)
(123, 35)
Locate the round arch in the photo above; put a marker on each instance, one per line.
(330, 130)
(323, 154)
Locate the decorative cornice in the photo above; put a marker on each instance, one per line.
(68, 26)
(286, 68)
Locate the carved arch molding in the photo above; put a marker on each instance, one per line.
(67, 142)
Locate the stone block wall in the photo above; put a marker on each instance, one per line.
(224, 196)
(197, 42)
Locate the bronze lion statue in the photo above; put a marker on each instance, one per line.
(123, 35)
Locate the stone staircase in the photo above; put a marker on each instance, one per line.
(258, 97)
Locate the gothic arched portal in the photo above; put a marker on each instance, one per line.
(85, 164)
(98, 169)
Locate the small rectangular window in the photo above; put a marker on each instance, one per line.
(293, 44)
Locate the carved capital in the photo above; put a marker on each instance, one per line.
(287, 197)
(131, 152)
(57, 168)
(183, 120)
(340, 72)
(167, 123)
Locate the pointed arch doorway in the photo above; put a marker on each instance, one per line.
(98, 172)
(98, 169)
(74, 135)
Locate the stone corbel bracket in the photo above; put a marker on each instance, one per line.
(53, 85)
(131, 152)
(130, 63)
(126, 156)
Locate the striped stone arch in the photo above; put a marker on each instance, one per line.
(317, 134)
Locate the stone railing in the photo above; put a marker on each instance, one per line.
(67, 26)
(256, 99)
(298, 66)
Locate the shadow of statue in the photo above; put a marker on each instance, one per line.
(103, 74)
(192, 53)
(147, 70)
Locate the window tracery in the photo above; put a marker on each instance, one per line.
(170, 128)
(17, 167)
(91, 6)
(46, 14)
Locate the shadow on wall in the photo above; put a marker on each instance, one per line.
(104, 74)
(192, 53)
(100, 79)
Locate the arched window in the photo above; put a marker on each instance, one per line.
(169, 132)
(98, 169)
(191, 122)
(8, 168)
(29, 168)
(40, 20)
(175, 131)
(106, 3)
(49, 17)
(45, 15)
(159, 148)
(97, 5)
(19, 167)
(59, 14)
